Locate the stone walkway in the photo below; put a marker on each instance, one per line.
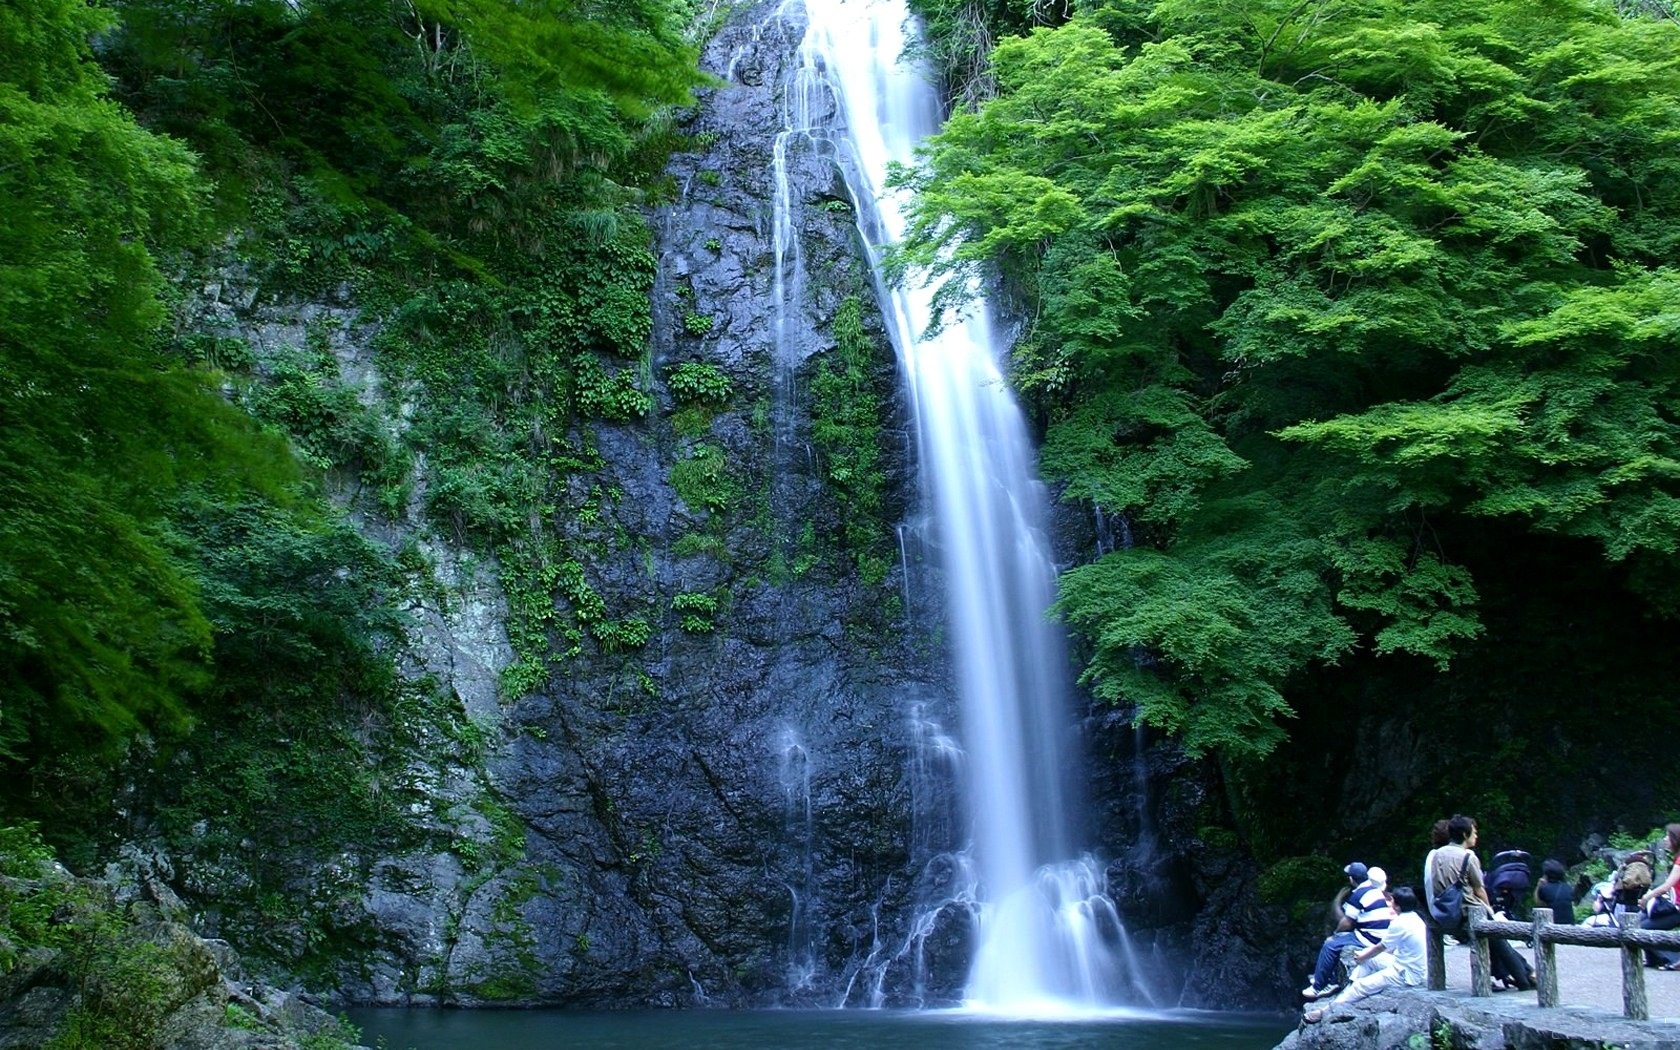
(1589, 977)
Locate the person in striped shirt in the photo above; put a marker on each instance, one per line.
(1365, 915)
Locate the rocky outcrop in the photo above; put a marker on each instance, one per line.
(122, 970)
(726, 813)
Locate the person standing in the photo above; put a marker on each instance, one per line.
(1365, 914)
(1438, 836)
(1457, 862)
(1401, 952)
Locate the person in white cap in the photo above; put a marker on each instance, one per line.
(1365, 915)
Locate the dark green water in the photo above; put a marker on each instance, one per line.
(809, 1030)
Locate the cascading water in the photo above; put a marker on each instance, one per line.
(1049, 936)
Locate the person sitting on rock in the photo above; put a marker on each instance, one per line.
(1365, 915)
(1396, 961)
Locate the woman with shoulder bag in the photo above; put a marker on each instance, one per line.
(1662, 912)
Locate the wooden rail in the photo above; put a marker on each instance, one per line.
(1546, 936)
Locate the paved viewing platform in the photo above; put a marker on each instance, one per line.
(1589, 977)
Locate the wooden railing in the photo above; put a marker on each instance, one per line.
(1546, 936)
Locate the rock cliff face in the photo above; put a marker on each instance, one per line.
(752, 807)
(732, 820)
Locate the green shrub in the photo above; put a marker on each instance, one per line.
(696, 383)
(695, 602)
(610, 395)
(698, 609)
(619, 635)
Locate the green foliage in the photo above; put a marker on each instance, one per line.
(700, 391)
(1322, 298)
(698, 611)
(471, 174)
(1301, 882)
(332, 428)
(611, 395)
(240, 1019)
(703, 481)
(695, 602)
(129, 984)
(697, 543)
(694, 382)
(125, 977)
(848, 414)
(697, 324)
(100, 632)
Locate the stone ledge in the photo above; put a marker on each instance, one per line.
(1420, 1020)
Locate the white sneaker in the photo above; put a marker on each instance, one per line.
(1324, 993)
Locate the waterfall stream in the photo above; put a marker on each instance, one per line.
(1049, 938)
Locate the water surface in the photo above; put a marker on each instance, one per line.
(809, 1030)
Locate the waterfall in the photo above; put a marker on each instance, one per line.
(1049, 936)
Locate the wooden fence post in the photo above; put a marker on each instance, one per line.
(1437, 957)
(1634, 1004)
(1545, 959)
(1481, 958)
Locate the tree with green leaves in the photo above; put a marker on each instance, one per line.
(100, 627)
(1323, 295)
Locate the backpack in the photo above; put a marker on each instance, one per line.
(1633, 877)
(1447, 906)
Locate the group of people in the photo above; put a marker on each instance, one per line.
(1386, 928)
(1387, 925)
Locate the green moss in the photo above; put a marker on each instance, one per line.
(703, 480)
(693, 544)
(1302, 883)
(847, 415)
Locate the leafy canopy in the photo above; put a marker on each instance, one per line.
(100, 626)
(1318, 287)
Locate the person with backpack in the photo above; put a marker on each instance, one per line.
(1438, 836)
(1662, 910)
(1456, 865)
(1365, 914)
